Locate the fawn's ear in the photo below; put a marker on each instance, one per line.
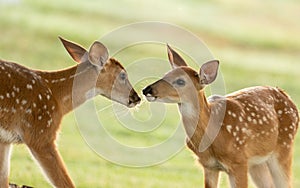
(174, 58)
(98, 54)
(78, 53)
(208, 72)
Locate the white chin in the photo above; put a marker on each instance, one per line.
(131, 105)
(151, 98)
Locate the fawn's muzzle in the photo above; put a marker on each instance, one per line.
(147, 91)
(134, 99)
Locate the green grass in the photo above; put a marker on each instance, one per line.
(257, 43)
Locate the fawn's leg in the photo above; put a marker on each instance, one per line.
(280, 169)
(4, 164)
(51, 162)
(238, 176)
(261, 176)
(211, 178)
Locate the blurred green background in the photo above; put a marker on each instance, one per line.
(256, 41)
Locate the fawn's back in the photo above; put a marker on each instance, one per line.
(25, 100)
(258, 116)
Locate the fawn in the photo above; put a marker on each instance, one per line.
(33, 103)
(249, 130)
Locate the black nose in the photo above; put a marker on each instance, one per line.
(134, 98)
(147, 90)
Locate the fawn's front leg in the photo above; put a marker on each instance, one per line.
(238, 176)
(211, 178)
(51, 162)
(4, 164)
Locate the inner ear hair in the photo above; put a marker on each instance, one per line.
(98, 54)
(101, 66)
(203, 80)
(208, 72)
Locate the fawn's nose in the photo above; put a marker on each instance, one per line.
(148, 90)
(134, 98)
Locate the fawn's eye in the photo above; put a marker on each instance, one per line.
(123, 76)
(180, 82)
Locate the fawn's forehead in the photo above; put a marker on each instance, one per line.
(183, 72)
(115, 65)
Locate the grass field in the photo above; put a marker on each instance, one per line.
(257, 43)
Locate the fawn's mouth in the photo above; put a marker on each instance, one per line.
(148, 93)
(150, 97)
(132, 104)
(133, 101)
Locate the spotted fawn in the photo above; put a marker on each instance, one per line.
(33, 103)
(251, 130)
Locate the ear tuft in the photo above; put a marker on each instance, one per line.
(174, 58)
(209, 72)
(77, 52)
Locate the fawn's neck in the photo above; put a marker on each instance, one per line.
(70, 86)
(195, 115)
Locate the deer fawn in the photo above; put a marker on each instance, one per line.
(33, 102)
(249, 130)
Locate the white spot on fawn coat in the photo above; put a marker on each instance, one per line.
(29, 86)
(229, 128)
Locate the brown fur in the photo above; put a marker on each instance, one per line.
(33, 103)
(250, 130)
